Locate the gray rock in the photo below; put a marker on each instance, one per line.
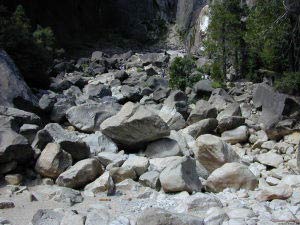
(67, 195)
(203, 87)
(269, 193)
(231, 110)
(13, 89)
(230, 123)
(53, 161)
(270, 159)
(47, 217)
(163, 148)
(14, 147)
(150, 179)
(135, 125)
(154, 216)
(68, 140)
(202, 127)
(231, 175)
(20, 117)
(88, 117)
(138, 163)
(156, 59)
(238, 135)
(82, 173)
(272, 104)
(107, 158)
(173, 118)
(96, 90)
(220, 99)
(59, 109)
(120, 174)
(159, 164)
(180, 176)
(212, 152)
(203, 110)
(99, 142)
(101, 184)
(29, 131)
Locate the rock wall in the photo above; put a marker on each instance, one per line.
(78, 18)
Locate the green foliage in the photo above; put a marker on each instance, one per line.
(288, 83)
(181, 71)
(31, 51)
(224, 42)
(250, 40)
(267, 36)
(44, 37)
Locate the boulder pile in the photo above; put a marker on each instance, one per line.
(111, 129)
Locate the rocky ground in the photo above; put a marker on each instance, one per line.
(111, 143)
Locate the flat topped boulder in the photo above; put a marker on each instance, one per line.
(134, 125)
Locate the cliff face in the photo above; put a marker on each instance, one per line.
(71, 18)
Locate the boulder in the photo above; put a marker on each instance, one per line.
(20, 117)
(120, 174)
(101, 184)
(173, 118)
(135, 125)
(159, 164)
(82, 173)
(99, 142)
(68, 140)
(230, 123)
(180, 175)
(13, 89)
(162, 148)
(29, 131)
(202, 127)
(107, 158)
(270, 159)
(269, 193)
(47, 217)
(203, 110)
(138, 163)
(14, 147)
(88, 117)
(231, 175)
(231, 110)
(95, 90)
(212, 152)
(238, 135)
(59, 109)
(53, 161)
(155, 216)
(272, 104)
(150, 179)
(203, 87)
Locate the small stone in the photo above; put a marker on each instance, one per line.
(274, 192)
(270, 159)
(14, 179)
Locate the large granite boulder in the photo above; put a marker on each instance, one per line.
(231, 175)
(82, 173)
(13, 89)
(135, 125)
(53, 161)
(68, 140)
(181, 175)
(14, 147)
(213, 152)
(88, 117)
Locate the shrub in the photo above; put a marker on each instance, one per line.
(181, 70)
(32, 52)
(288, 83)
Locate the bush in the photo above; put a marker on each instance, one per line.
(181, 71)
(32, 51)
(289, 83)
